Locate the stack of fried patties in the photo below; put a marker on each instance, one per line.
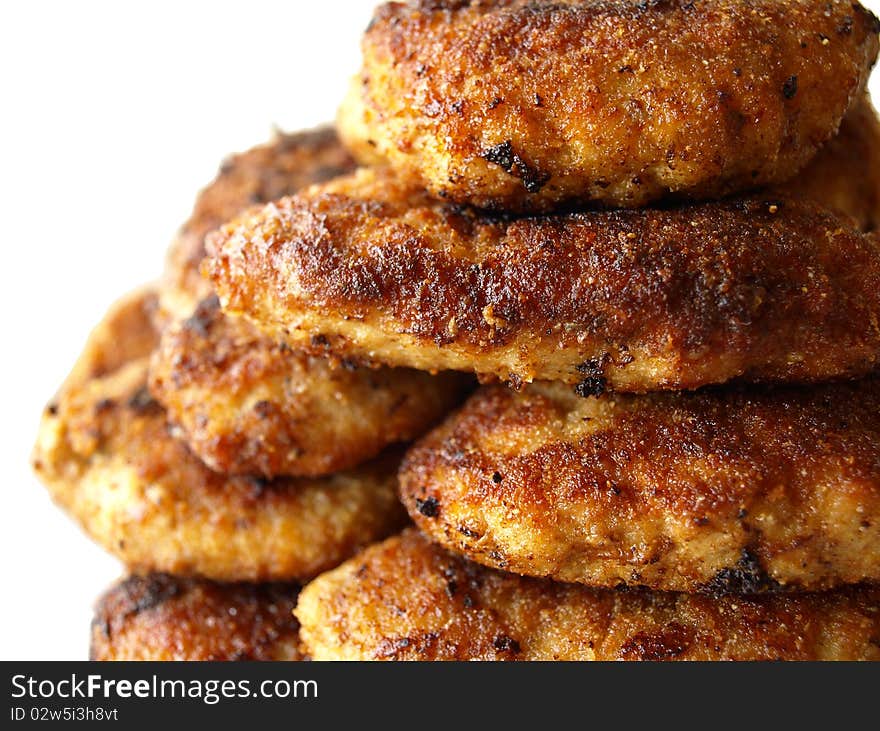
(646, 227)
(223, 467)
(652, 220)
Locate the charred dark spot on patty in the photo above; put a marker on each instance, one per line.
(594, 383)
(429, 507)
(145, 593)
(747, 577)
(505, 643)
(508, 160)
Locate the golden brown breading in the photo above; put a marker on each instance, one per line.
(264, 173)
(528, 104)
(648, 299)
(736, 489)
(247, 404)
(407, 599)
(161, 617)
(243, 403)
(845, 175)
(106, 455)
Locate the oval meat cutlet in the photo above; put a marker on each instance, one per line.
(724, 490)
(246, 404)
(526, 105)
(408, 599)
(105, 453)
(762, 289)
(283, 166)
(241, 401)
(162, 617)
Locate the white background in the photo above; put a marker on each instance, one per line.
(113, 116)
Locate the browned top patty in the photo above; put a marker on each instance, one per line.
(650, 299)
(161, 617)
(105, 453)
(407, 599)
(245, 403)
(528, 104)
(264, 173)
(743, 490)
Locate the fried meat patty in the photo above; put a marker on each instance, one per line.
(245, 403)
(241, 401)
(105, 453)
(528, 104)
(723, 490)
(760, 289)
(408, 599)
(162, 617)
(264, 173)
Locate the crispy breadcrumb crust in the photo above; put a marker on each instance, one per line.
(762, 289)
(407, 599)
(162, 617)
(528, 104)
(105, 453)
(246, 404)
(280, 167)
(726, 489)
